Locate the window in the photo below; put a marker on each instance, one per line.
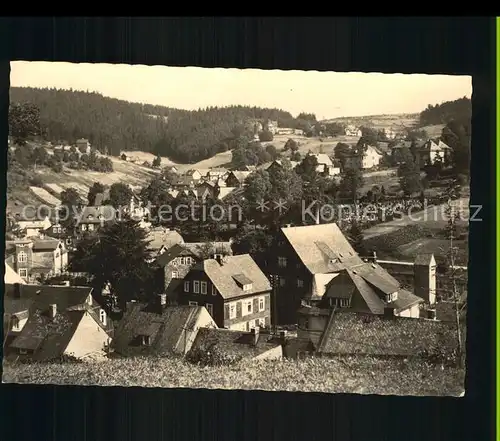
(68, 241)
(340, 303)
(282, 281)
(102, 316)
(232, 310)
(196, 287)
(91, 227)
(203, 287)
(186, 286)
(183, 260)
(249, 307)
(300, 283)
(282, 262)
(210, 308)
(15, 323)
(262, 323)
(251, 324)
(23, 272)
(22, 257)
(247, 287)
(23, 351)
(146, 340)
(193, 303)
(175, 274)
(57, 254)
(214, 290)
(84, 227)
(262, 304)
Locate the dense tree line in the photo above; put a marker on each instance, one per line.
(458, 110)
(113, 125)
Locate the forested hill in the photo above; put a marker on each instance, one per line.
(459, 110)
(113, 125)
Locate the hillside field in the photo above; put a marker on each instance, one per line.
(380, 121)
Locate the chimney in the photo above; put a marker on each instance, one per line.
(255, 333)
(283, 336)
(374, 257)
(52, 310)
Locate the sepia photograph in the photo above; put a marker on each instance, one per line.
(187, 227)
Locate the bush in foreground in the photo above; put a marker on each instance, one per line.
(340, 375)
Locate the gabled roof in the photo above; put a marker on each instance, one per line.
(234, 343)
(40, 296)
(425, 259)
(371, 285)
(225, 191)
(323, 159)
(166, 330)
(240, 176)
(222, 276)
(162, 237)
(351, 333)
(46, 244)
(48, 337)
(322, 248)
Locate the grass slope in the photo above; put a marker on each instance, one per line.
(361, 375)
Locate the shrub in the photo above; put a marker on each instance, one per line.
(36, 181)
(57, 167)
(211, 356)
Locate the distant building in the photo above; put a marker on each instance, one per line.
(351, 130)
(271, 126)
(371, 157)
(83, 145)
(237, 178)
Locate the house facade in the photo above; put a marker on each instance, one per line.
(371, 157)
(351, 130)
(36, 258)
(175, 262)
(92, 218)
(233, 289)
(83, 145)
(237, 178)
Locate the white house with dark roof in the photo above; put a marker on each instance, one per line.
(317, 264)
(233, 289)
(91, 218)
(161, 239)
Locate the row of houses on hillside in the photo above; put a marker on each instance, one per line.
(326, 167)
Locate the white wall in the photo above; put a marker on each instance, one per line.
(89, 338)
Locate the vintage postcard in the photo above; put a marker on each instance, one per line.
(237, 229)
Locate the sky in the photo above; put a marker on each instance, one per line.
(326, 94)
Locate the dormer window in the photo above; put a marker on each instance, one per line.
(90, 216)
(247, 287)
(391, 297)
(145, 340)
(334, 260)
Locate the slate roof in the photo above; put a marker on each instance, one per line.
(222, 276)
(322, 248)
(40, 296)
(45, 244)
(323, 159)
(48, 337)
(241, 175)
(235, 343)
(369, 285)
(351, 333)
(166, 330)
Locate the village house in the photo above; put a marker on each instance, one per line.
(207, 190)
(233, 289)
(351, 130)
(250, 168)
(271, 126)
(11, 277)
(237, 178)
(371, 157)
(159, 329)
(316, 265)
(326, 167)
(176, 261)
(83, 145)
(285, 131)
(29, 223)
(171, 169)
(193, 175)
(278, 164)
(433, 150)
(58, 231)
(334, 333)
(35, 258)
(217, 173)
(161, 239)
(255, 345)
(93, 218)
(389, 133)
(45, 322)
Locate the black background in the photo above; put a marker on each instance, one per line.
(396, 44)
